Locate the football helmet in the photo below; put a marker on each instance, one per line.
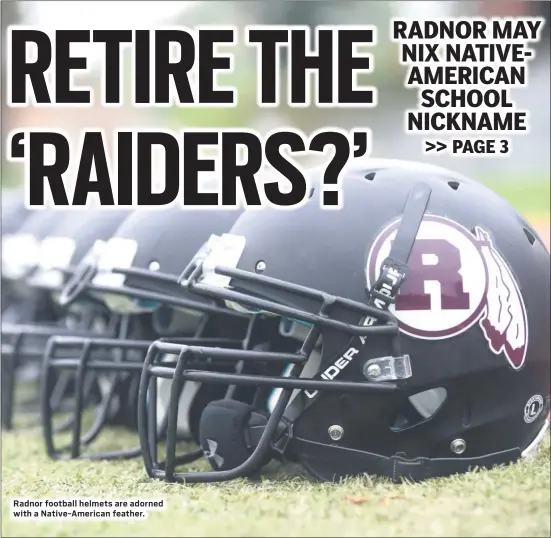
(13, 215)
(136, 277)
(52, 243)
(20, 256)
(14, 211)
(421, 308)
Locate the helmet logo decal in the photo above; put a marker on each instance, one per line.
(504, 318)
(456, 279)
(211, 454)
(533, 408)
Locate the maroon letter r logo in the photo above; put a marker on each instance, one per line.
(445, 271)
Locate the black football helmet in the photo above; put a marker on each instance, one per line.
(14, 210)
(13, 214)
(422, 312)
(20, 257)
(136, 277)
(57, 242)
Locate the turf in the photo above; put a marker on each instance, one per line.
(508, 501)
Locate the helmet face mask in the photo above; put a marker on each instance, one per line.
(98, 398)
(135, 279)
(28, 307)
(388, 380)
(61, 240)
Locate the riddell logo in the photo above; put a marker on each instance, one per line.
(456, 279)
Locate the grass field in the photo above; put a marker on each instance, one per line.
(512, 501)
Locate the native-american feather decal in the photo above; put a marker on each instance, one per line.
(504, 317)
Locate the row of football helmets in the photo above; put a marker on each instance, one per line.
(403, 335)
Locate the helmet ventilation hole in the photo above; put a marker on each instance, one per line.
(454, 185)
(529, 236)
(370, 176)
(312, 190)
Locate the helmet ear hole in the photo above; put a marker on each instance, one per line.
(418, 408)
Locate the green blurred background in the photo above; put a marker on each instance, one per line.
(523, 177)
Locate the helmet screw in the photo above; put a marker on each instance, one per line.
(458, 446)
(335, 432)
(260, 267)
(154, 266)
(373, 370)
